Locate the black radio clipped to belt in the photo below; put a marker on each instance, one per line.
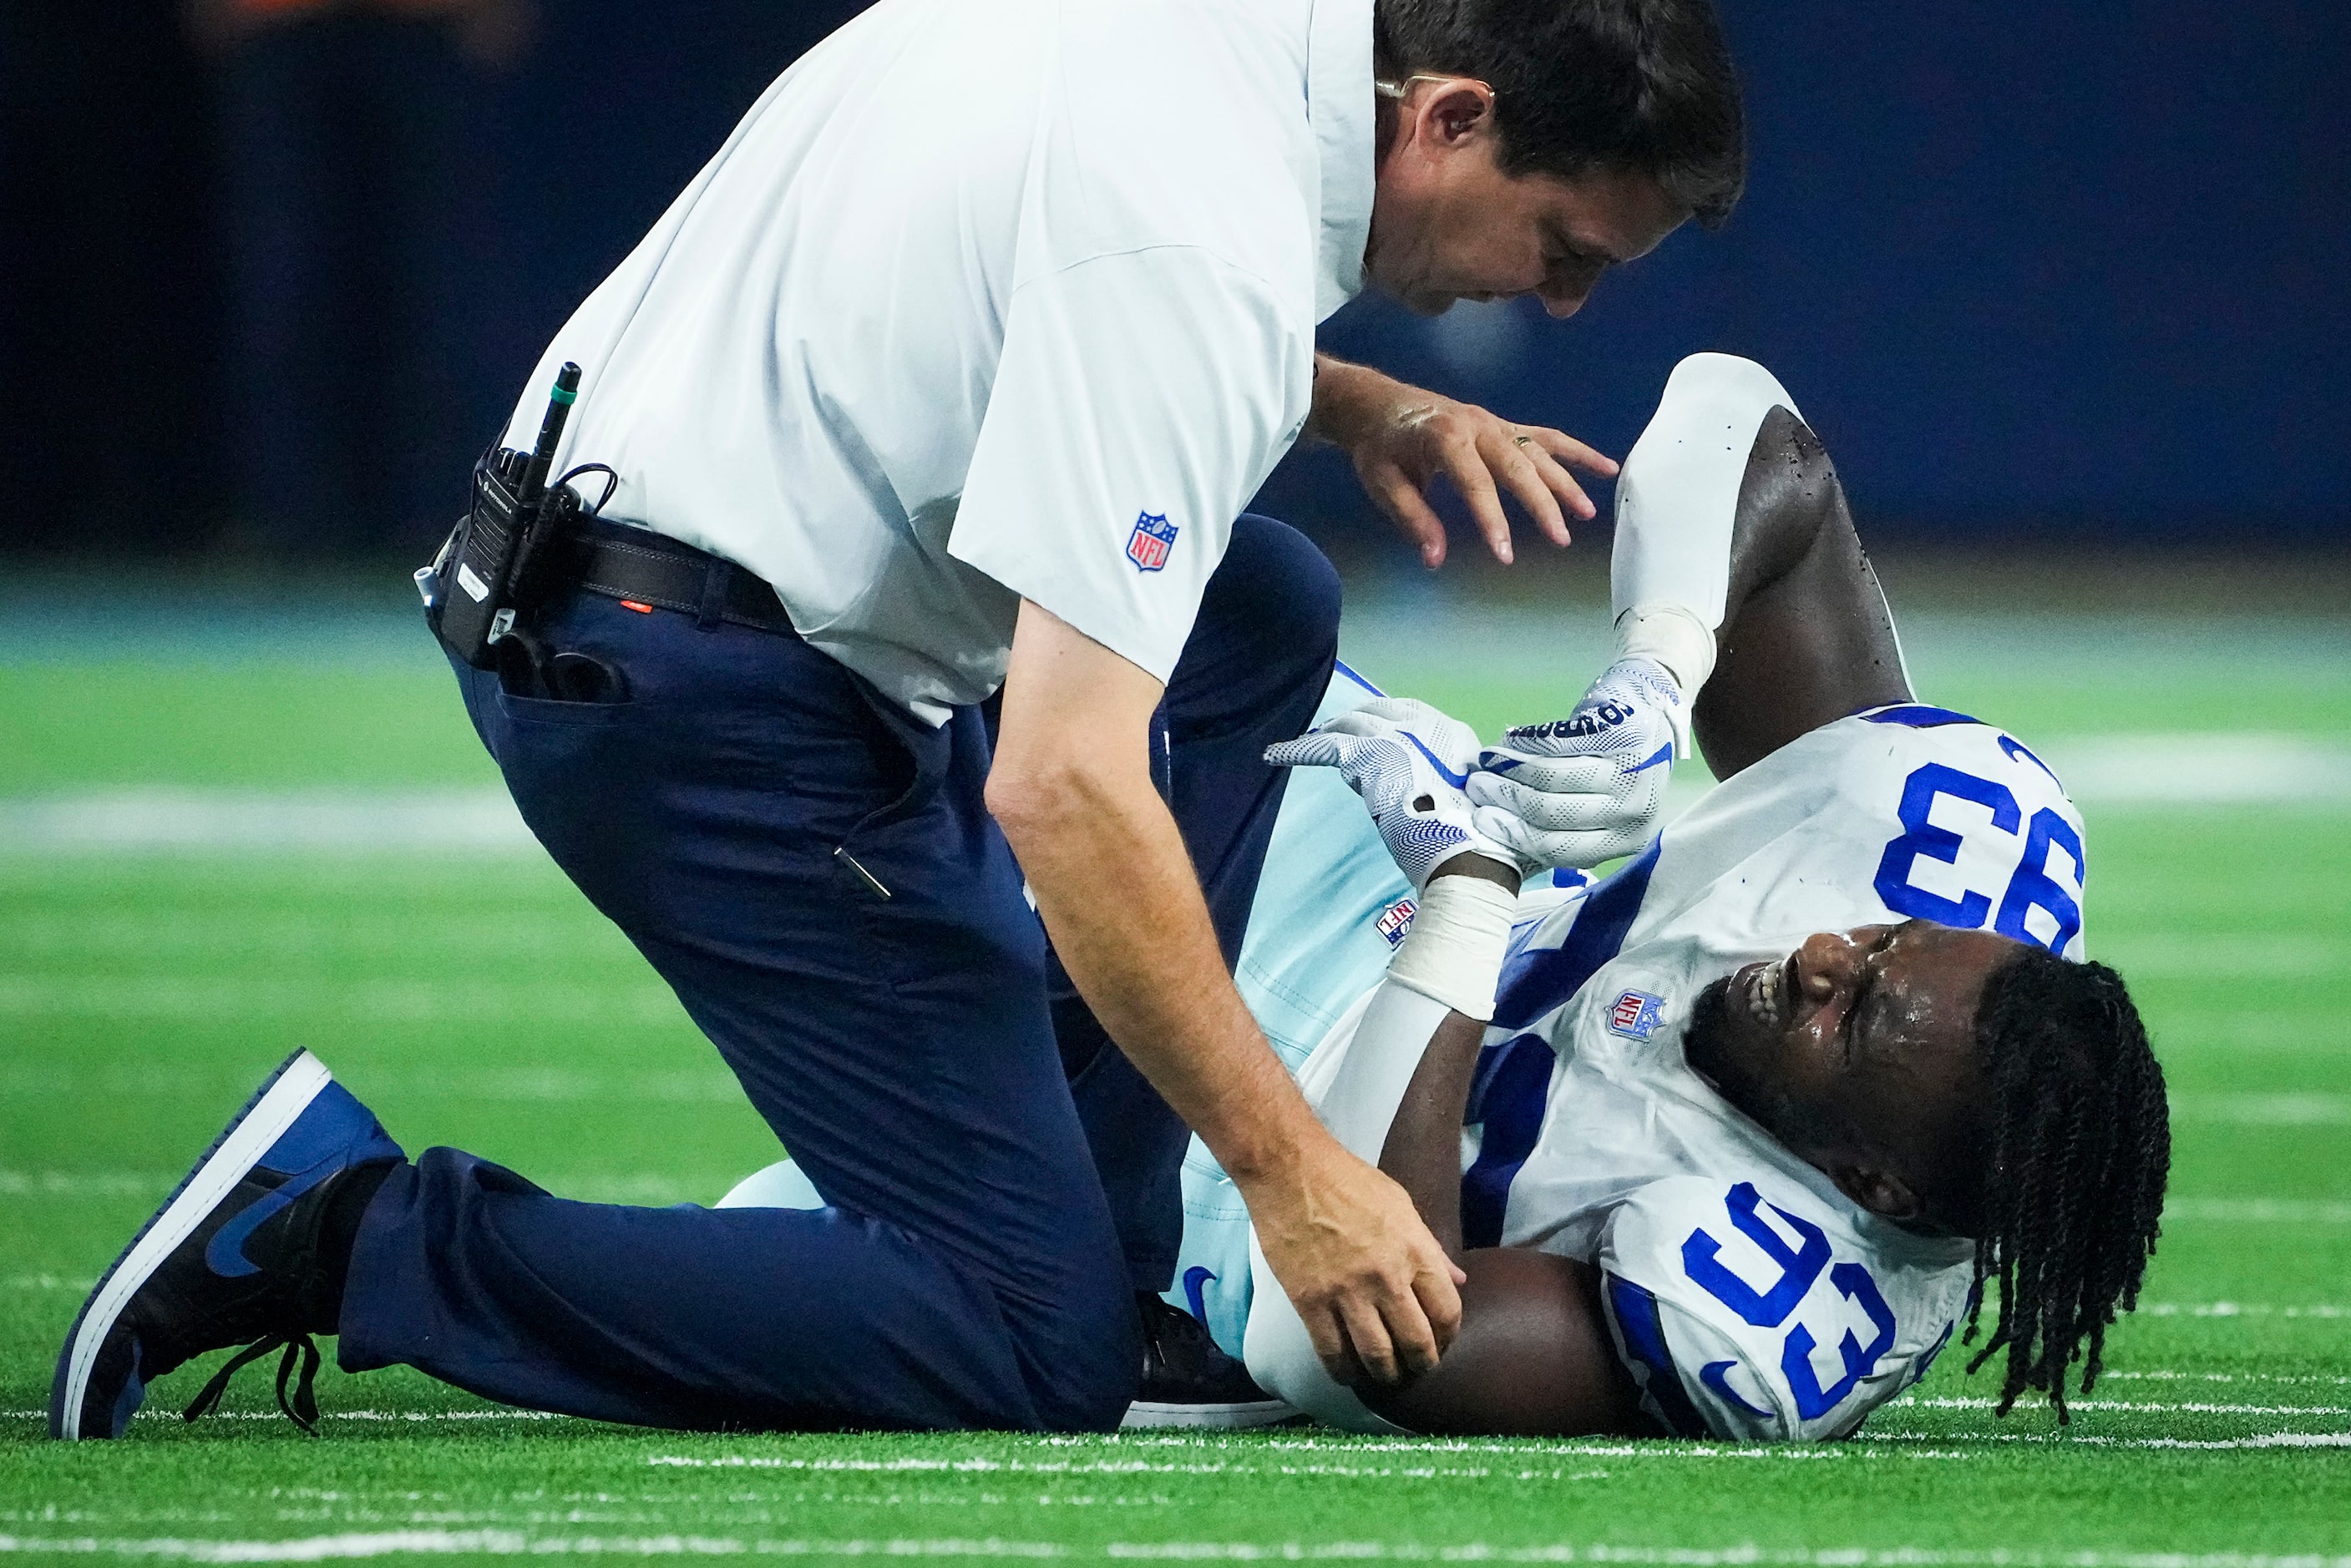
(526, 544)
(486, 576)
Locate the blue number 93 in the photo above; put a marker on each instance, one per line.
(1799, 1267)
(2029, 887)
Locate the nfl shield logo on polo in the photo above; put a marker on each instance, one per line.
(1636, 1014)
(1148, 545)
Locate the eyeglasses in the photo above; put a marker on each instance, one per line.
(1398, 89)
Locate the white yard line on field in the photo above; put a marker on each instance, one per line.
(1251, 1460)
(645, 1190)
(2259, 1440)
(2094, 1440)
(2191, 1407)
(2240, 1309)
(154, 938)
(411, 1416)
(1115, 1468)
(2242, 768)
(2259, 1210)
(223, 1001)
(147, 820)
(2288, 1110)
(115, 1081)
(517, 1542)
(2177, 1377)
(509, 1544)
(2188, 768)
(86, 1184)
(2219, 767)
(1722, 1557)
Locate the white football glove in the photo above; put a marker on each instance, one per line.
(1409, 763)
(1586, 788)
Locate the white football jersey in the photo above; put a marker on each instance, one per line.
(1750, 1299)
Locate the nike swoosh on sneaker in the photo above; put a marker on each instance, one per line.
(226, 1256)
(1458, 781)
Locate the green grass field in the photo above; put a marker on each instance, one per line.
(144, 993)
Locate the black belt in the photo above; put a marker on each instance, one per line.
(637, 565)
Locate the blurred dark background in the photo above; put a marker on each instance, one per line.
(271, 271)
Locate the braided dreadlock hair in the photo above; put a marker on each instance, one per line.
(2080, 1146)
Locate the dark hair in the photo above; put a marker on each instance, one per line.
(2080, 1146)
(1585, 84)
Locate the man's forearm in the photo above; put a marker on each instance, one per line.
(1124, 907)
(1340, 387)
(1354, 402)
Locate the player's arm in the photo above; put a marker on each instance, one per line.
(1744, 609)
(1806, 636)
(1736, 566)
(1533, 1355)
(1072, 788)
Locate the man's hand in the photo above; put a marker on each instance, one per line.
(1401, 437)
(1377, 1294)
(1588, 787)
(1410, 764)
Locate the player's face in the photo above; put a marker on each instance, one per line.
(1857, 1051)
(1448, 225)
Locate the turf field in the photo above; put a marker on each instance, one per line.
(152, 971)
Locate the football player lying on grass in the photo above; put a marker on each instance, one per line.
(1729, 1143)
(1753, 1121)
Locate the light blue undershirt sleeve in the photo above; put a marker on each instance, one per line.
(1330, 907)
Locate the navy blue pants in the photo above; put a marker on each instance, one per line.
(976, 1263)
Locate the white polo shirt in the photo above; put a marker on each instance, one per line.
(986, 300)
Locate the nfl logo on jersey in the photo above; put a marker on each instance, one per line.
(1148, 545)
(1636, 1014)
(1396, 919)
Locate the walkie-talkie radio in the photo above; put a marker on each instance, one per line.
(474, 588)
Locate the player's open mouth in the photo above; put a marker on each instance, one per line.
(1765, 987)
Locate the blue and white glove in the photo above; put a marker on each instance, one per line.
(1409, 763)
(1586, 788)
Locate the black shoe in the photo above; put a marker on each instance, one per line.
(1189, 1382)
(250, 1250)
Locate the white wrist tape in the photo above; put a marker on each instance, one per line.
(1672, 636)
(1677, 497)
(1453, 954)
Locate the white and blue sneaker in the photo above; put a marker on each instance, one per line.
(250, 1250)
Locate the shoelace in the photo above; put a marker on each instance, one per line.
(302, 1409)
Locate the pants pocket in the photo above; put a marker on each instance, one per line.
(548, 710)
